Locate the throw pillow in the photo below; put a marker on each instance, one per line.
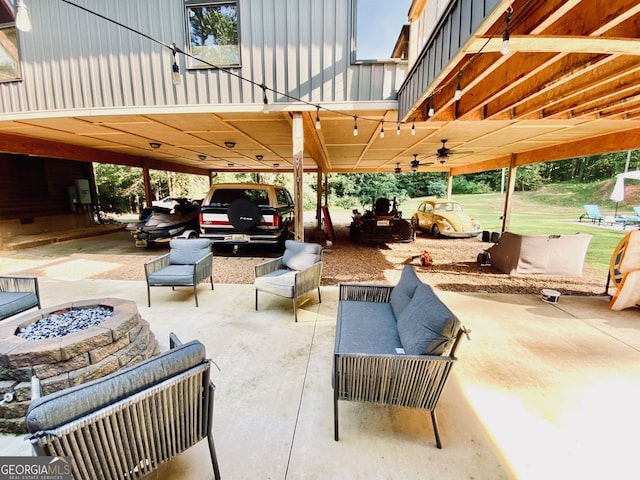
(403, 292)
(426, 326)
(300, 255)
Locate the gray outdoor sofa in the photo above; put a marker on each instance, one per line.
(393, 345)
(126, 424)
(18, 294)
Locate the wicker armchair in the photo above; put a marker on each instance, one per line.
(128, 423)
(18, 294)
(297, 272)
(189, 262)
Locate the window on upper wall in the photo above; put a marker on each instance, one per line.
(212, 32)
(9, 56)
(379, 28)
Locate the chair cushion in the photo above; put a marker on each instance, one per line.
(426, 326)
(366, 327)
(172, 275)
(403, 292)
(187, 251)
(16, 302)
(301, 255)
(66, 405)
(279, 282)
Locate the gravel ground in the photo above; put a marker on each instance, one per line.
(454, 266)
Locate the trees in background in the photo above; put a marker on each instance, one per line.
(121, 189)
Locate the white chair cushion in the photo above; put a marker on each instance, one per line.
(279, 282)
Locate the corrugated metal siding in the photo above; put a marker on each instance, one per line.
(74, 60)
(455, 29)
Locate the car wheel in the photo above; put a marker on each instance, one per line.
(435, 231)
(244, 214)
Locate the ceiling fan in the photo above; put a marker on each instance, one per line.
(443, 153)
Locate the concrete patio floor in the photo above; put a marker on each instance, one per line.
(540, 392)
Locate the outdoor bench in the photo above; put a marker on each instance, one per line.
(393, 346)
(18, 294)
(124, 425)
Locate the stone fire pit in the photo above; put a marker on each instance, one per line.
(120, 340)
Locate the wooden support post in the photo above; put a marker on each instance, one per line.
(511, 186)
(319, 198)
(449, 184)
(298, 170)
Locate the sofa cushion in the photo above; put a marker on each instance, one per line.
(66, 405)
(187, 251)
(301, 255)
(403, 292)
(172, 275)
(16, 302)
(426, 326)
(366, 327)
(279, 282)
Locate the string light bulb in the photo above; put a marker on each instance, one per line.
(265, 100)
(23, 22)
(506, 48)
(397, 170)
(382, 130)
(318, 126)
(355, 125)
(413, 128)
(398, 129)
(431, 112)
(176, 78)
(458, 95)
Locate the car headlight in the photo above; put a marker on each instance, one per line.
(445, 225)
(174, 231)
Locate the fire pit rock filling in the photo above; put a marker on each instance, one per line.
(65, 346)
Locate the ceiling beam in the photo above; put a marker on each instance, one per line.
(20, 144)
(559, 44)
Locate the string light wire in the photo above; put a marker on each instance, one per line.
(265, 88)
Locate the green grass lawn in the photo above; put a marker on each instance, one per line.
(536, 214)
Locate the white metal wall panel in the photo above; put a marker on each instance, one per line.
(73, 60)
(456, 26)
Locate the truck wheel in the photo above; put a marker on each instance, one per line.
(243, 214)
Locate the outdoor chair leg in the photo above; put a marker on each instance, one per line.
(256, 299)
(148, 296)
(295, 310)
(335, 416)
(319, 296)
(435, 428)
(211, 278)
(195, 293)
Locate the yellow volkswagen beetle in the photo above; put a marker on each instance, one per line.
(445, 218)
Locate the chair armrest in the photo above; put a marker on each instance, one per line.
(268, 267)
(156, 264)
(308, 279)
(365, 293)
(202, 268)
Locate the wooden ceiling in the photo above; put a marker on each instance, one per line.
(569, 87)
